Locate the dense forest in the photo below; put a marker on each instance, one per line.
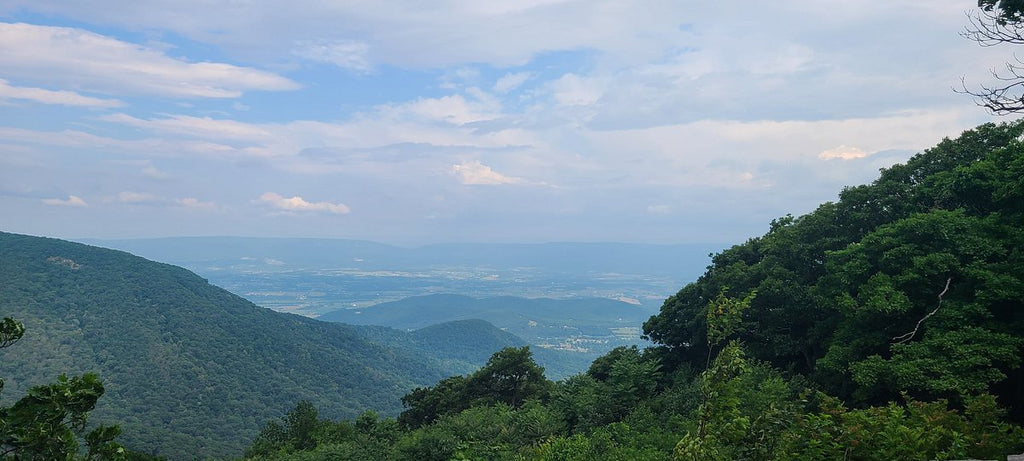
(885, 325)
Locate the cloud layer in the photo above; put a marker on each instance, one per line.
(640, 120)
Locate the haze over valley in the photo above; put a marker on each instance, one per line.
(539, 292)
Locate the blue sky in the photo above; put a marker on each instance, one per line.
(449, 121)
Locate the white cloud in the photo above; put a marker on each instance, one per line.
(476, 173)
(201, 127)
(511, 81)
(61, 97)
(153, 172)
(574, 90)
(82, 59)
(72, 200)
(842, 152)
(193, 203)
(732, 154)
(297, 203)
(345, 54)
(399, 33)
(454, 109)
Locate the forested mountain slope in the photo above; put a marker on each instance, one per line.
(913, 283)
(189, 369)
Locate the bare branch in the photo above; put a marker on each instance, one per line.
(999, 100)
(908, 336)
(989, 29)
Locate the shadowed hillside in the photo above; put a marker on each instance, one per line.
(190, 369)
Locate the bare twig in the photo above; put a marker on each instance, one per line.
(908, 336)
(990, 28)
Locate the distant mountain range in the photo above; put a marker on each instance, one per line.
(314, 276)
(593, 325)
(192, 370)
(683, 261)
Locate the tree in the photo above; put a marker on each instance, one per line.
(45, 423)
(511, 377)
(425, 404)
(10, 332)
(999, 22)
(296, 432)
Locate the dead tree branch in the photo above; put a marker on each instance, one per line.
(908, 336)
(990, 28)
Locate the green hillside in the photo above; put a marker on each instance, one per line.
(190, 369)
(912, 284)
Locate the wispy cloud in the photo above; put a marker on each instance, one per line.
(843, 152)
(197, 127)
(72, 200)
(476, 173)
(297, 203)
(75, 57)
(345, 54)
(60, 97)
(196, 204)
(574, 90)
(511, 81)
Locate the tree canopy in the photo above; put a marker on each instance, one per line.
(913, 283)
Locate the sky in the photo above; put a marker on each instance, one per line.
(413, 122)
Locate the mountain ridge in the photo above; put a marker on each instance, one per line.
(190, 369)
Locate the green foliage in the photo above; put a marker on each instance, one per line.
(746, 406)
(917, 430)
(1006, 10)
(752, 412)
(425, 404)
(613, 386)
(10, 331)
(724, 316)
(299, 430)
(910, 284)
(510, 377)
